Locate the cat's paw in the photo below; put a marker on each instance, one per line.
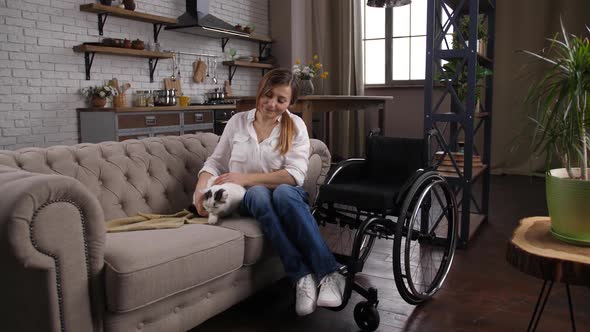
(212, 219)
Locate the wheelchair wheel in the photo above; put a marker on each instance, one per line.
(425, 238)
(366, 316)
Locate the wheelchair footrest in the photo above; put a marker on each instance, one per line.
(362, 285)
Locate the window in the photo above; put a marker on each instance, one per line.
(394, 43)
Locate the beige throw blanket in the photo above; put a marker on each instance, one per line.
(145, 221)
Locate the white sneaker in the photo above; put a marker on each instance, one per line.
(331, 290)
(307, 295)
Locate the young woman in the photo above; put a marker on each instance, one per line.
(266, 150)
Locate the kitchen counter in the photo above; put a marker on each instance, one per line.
(157, 108)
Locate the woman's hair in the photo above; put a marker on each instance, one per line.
(278, 77)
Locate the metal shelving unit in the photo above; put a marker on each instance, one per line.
(460, 120)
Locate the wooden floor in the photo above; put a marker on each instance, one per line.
(482, 292)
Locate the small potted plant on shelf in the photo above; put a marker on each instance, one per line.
(97, 95)
(456, 71)
(562, 120)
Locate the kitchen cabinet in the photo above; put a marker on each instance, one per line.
(119, 124)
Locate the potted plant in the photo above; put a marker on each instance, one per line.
(562, 120)
(97, 95)
(456, 71)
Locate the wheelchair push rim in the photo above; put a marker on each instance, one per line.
(423, 252)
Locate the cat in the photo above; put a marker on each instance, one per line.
(221, 200)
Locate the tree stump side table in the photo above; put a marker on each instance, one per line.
(534, 251)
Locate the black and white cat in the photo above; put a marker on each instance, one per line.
(221, 200)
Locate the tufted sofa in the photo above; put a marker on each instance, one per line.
(61, 271)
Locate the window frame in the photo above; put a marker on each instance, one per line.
(389, 81)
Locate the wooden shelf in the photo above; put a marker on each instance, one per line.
(90, 50)
(248, 64)
(128, 14)
(122, 51)
(453, 175)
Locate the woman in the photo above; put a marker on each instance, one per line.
(266, 150)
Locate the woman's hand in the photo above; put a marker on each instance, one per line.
(198, 201)
(237, 178)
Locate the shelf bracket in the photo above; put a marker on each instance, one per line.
(223, 43)
(157, 28)
(102, 18)
(88, 63)
(153, 65)
(231, 73)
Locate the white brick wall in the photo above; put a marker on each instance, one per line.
(41, 76)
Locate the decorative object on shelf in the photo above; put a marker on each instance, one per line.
(227, 89)
(106, 2)
(307, 72)
(239, 27)
(388, 3)
(97, 95)
(563, 131)
(307, 87)
(129, 4)
(127, 43)
(138, 44)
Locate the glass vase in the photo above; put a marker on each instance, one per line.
(307, 87)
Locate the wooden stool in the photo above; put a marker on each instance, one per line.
(534, 251)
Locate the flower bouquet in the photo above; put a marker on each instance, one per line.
(306, 72)
(97, 95)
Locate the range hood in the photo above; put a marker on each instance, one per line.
(197, 20)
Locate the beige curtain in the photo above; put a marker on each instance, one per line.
(524, 25)
(334, 27)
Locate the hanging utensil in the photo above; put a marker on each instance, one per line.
(215, 70)
(173, 66)
(178, 66)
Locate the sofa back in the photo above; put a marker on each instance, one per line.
(152, 175)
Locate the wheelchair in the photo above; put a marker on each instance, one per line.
(391, 194)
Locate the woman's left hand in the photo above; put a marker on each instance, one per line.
(237, 178)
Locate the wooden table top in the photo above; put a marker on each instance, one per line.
(533, 250)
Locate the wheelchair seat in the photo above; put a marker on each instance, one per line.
(375, 183)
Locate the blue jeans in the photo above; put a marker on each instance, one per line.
(286, 221)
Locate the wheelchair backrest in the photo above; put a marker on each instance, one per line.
(394, 157)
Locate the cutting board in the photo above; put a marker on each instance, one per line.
(170, 83)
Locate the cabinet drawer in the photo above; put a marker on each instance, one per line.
(147, 120)
(198, 117)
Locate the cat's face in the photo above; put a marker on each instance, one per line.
(214, 199)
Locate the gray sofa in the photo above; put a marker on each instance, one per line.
(61, 271)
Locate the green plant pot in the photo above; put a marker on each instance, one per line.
(568, 201)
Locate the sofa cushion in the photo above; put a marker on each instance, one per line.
(253, 237)
(143, 267)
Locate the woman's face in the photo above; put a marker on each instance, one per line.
(276, 101)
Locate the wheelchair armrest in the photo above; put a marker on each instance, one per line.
(408, 184)
(346, 169)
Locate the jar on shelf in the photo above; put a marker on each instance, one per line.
(149, 98)
(140, 98)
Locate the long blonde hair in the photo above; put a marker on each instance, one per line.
(278, 77)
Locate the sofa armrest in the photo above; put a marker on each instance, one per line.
(319, 165)
(52, 237)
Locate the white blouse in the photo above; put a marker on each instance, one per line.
(238, 149)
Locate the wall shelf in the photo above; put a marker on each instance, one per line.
(90, 50)
(233, 65)
(104, 11)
